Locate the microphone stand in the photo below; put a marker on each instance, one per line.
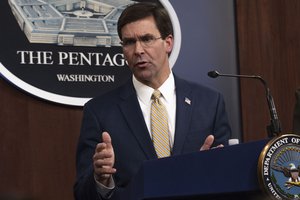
(274, 128)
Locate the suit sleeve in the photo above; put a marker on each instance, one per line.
(85, 187)
(222, 130)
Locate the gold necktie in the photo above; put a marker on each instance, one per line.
(159, 126)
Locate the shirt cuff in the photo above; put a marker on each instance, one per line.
(105, 191)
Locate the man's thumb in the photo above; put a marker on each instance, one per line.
(106, 138)
(207, 143)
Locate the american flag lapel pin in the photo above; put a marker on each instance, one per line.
(188, 101)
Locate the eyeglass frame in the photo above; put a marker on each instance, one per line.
(145, 40)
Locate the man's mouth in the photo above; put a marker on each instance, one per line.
(141, 64)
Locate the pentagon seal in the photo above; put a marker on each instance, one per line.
(279, 167)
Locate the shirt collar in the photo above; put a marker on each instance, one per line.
(144, 92)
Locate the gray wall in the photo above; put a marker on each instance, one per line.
(208, 43)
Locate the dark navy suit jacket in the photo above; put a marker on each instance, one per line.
(200, 111)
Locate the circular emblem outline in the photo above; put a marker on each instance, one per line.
(80, 101)
(279, 167)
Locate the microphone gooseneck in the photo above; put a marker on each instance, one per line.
(274, 129)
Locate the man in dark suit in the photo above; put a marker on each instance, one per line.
(117, 136)
(296, 122)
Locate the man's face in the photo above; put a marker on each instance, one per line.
(146, 52)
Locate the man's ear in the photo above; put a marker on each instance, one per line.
(169, 43)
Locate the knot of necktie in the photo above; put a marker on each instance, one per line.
(156, 95)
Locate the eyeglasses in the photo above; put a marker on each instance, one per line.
(145, 40)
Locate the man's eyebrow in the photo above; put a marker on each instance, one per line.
(128, 38)
(140, 36)
(147, 35)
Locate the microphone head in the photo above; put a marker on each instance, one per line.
(213, 74)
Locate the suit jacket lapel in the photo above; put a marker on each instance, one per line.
(183, 114)
(133, 115)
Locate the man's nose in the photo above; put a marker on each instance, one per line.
(139, 49)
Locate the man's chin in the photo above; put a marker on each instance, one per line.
(143, 76)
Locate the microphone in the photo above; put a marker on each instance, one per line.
(274, 129)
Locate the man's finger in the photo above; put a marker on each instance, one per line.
(103, 163)
(106, 170)
(207, 143)
(100, 147)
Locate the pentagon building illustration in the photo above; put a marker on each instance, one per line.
(70, 22)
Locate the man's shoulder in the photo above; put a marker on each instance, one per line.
(193, 87)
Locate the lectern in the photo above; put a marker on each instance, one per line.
(221, 173)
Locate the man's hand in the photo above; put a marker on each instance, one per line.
(104, 160)
(208, 143)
